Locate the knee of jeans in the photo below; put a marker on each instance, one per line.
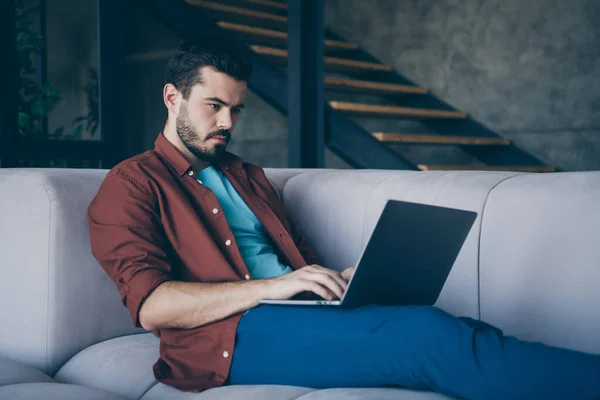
(425, 320)
(438, 319)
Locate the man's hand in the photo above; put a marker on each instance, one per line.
(322, 281)
(348, 272)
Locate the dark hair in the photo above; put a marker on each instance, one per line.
(183, 68)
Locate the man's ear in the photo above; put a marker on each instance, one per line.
(171, 97)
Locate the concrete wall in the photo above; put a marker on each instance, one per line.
(529, 70)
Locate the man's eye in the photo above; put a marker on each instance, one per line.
(215, 106)
(236, 110)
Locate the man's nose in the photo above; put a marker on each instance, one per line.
(225, 121)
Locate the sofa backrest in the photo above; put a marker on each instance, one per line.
(540, 259)
(530, 264)
(338, 210)
(55, 299)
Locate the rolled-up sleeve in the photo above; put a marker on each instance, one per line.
(127, 239)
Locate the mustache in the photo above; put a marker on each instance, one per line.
(222, 132)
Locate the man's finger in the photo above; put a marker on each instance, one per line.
(337, 276)
(329, 282)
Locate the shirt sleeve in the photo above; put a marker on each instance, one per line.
(308, 253)
(304, 247)
(127, 239)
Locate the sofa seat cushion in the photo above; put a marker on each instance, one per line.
(122, 365)
(278, 392)
(45, 391)
(237, 392)
(12, 372)
(375, 393)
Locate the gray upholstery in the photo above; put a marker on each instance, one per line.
(463, 190)
(12, 372)
(530, 266)
(122, 365)
(329, 207)
(254, 392)
(52, 391)
(366, 394)
(279, 177)
(46, 211)
(540, 259)
(58, 299)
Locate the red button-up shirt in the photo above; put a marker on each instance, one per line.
(152, 222)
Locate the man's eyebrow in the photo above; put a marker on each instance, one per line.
(226, 104)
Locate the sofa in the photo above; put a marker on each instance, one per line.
(530, 265)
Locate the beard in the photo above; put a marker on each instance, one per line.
(199, 147)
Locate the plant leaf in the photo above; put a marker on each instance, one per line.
(23, 121)
(59, 131)
(38, 108)
(78, 132)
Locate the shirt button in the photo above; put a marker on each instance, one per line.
(228, 242)
(247, 277)
(215, 210)
(225, 354)
(199, 181)
(191, 173)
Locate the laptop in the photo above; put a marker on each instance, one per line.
(407, 259)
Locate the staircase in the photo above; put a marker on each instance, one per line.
(262, 25)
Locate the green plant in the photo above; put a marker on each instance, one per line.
(37, 101)
(92, 117)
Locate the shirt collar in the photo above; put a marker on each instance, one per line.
(182, 165)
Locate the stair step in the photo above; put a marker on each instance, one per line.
(282, 54)
(334, 82)
(414, 138)
(269, 3)
(274, 34)
(237, 10)
(375, 109)
(514, 168)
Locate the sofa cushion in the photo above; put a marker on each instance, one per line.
(238, 392)
(57, 298)
(540, 259)
(277, 392)
(12, 372)
(122, 365)
(279, 176)
(329, 208)
(368, 394)
(46, 391)
(462, 190)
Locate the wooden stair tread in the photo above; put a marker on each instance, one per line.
(272, 33)
(514, 168)
(330, 61)
(237, 10)
(415, 138)
(360, 108)
(335, 82)
(269, 3)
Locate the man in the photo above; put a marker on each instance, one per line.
(194, 237)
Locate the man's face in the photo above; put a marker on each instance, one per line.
(207, 118)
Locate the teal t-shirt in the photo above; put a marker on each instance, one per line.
(254, 243)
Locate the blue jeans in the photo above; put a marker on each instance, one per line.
(412, 347)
